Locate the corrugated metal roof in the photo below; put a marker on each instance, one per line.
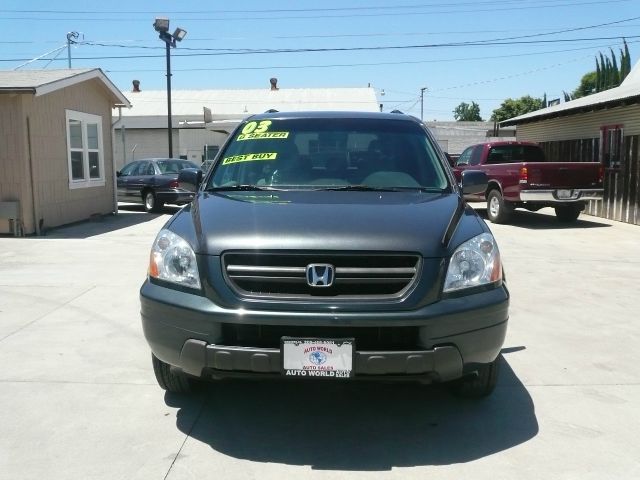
(628, 89)
(247, 102)
(41, 82)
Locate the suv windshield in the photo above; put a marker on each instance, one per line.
(319, 153)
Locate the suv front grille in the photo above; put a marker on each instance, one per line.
(372, 276)
(367, 338)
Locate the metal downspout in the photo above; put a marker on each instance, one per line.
(34, 196)
(113, 161)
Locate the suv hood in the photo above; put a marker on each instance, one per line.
(323, 220)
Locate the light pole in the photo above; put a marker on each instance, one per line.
(422, 102)
(161, 26)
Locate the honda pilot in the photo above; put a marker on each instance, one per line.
(329, 246)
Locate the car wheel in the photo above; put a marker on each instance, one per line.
(151, 202)
(569, 213)
(498, 210)
(168, 380)
(479, 385)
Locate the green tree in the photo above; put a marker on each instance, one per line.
(587, 85)
(609, 72)
(467, 113)
(513, 107)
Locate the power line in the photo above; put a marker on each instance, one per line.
(315, 16)
(338, 35)
(367, 8)
(472, 42)
(370, 64)
(346, 49)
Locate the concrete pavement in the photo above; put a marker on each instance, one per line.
(78, 398)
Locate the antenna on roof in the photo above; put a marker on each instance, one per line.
(271, 110)
(397, 111)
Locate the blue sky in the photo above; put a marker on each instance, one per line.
(538, 47)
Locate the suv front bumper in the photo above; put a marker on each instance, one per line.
(455, 335)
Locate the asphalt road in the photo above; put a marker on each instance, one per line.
(78, 398)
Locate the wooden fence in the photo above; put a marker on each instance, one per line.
(621, 185)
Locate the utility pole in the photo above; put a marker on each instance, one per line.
(422, 102)
(71, 38)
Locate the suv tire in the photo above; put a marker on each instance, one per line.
(479, 385)
(168, 380)
(498, 210)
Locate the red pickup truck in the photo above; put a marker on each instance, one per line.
(520, 177)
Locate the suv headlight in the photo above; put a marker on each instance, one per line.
(173, 260)
(475, 262)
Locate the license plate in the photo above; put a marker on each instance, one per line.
(314, 357)
(564, 194)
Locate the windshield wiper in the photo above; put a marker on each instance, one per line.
(236, 188)
(367, 188)
(355, 188)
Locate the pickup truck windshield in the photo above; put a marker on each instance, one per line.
(515, 154)
(317, 153)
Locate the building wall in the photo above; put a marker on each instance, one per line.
(56, 203)
(148, 143)
(13, 157)
(193, 140)
(577, 138)
(454, 137)
(152, 142)
(583, 125)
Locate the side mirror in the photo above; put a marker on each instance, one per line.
(190, 179)
(474, 181)
(118, 173)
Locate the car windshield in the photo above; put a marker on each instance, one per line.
(337, 154)
(174, 166)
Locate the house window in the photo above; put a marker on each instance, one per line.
(85, 150)
(611, 138)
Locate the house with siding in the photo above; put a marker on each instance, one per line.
(603, 127)
(56, 150)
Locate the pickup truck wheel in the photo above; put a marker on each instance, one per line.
(480, 385)
(498, 210)
(168, 380)
(151, 202)
(568, 214)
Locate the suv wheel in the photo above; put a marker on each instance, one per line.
(569, 213)
(168, 380)
(498, 210)
(479, 385)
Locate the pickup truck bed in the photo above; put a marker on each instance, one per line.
(517, 182)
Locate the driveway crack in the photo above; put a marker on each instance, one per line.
(195, 421)
(48, 313)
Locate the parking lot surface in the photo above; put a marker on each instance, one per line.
(78, 398)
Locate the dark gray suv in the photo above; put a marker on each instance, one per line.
(327, 246)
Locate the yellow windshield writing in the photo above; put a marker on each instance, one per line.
(249, 157)
(255, 127)
(259, 136)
